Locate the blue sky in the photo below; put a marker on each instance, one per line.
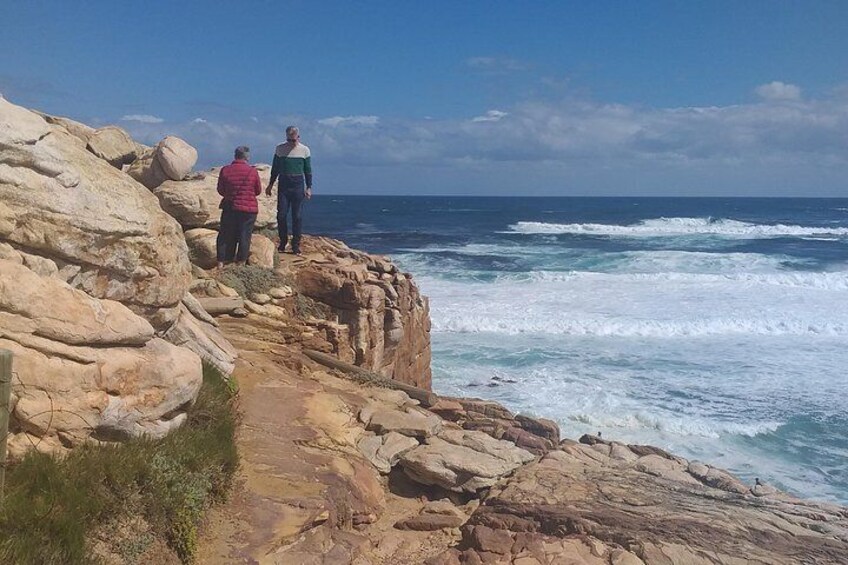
(538, 98)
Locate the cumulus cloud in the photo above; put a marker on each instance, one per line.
(491, 116)
(777, 90)
(574, 137)
(142, 118)
(350, 121)
(199, 121)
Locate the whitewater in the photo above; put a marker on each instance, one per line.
(714, 328)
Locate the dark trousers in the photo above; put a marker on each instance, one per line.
(290, 199)
(234, 235)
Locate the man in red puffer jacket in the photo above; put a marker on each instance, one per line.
(238, 185)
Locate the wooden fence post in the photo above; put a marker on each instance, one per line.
(5, 393)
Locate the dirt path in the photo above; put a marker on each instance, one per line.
(303, 494)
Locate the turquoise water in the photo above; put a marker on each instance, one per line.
(716, 328)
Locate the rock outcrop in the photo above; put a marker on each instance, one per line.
(86, 368)
(105, 233)
(385, 319)
(93, 286)
(612, 503)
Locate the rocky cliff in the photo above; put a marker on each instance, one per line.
(103, 242)
(108, 302)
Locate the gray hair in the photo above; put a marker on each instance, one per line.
(292, 132)
(242, 152)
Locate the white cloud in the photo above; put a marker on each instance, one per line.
(491, 116)
(496, 64)
(350, 121)
(574, 138)
(777, 90)
(142, 118)
(199, 121)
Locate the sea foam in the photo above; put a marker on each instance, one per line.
(678, 226)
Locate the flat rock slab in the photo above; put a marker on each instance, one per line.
(384, 451)
(411, 422)
(642, 512)
(463, 461)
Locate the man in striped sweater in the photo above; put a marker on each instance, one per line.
(293, 165)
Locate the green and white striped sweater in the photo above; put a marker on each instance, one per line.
(292, 163)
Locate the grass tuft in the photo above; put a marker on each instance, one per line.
(55, 508)
(250, 279)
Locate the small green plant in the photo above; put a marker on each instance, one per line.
(250, 279)
(305, 307)
(53, 506)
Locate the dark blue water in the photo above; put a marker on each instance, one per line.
(716, 328)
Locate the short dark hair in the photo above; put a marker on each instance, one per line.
(242, 152)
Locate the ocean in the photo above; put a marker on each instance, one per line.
(716, 328)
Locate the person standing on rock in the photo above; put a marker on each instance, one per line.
(238, 185)
(293, 165)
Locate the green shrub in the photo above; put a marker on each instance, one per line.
(250, 279)
(54, 505)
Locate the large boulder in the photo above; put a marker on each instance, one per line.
(463, 461)
(103, 230)
(171, 159)
(85, 367)
(113, 145)
(176, 157)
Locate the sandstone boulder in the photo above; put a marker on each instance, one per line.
(86, 368)
(112, 144)
(77, 129)
(204, 339)
(176, 157)
(463, 461)
(262, 251)
(171, 159)
(60, 202)
(202, 247)
(412, 422)
(68, 315)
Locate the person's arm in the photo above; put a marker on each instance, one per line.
(222, 190)
(257, 183)
(307, 172)
(276, 165)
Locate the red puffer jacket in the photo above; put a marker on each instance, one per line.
(239, 185)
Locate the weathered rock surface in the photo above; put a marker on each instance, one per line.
(86, 367)
(112, 144)
(436, 515)
(462, 461)
(384, 451)
(171, 159)
(625, 511)
(412, 422)
(204, 339)
(387, 319)
(60, 202)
